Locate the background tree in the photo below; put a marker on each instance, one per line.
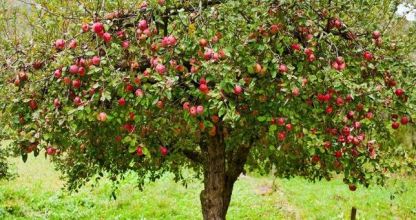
(298, 88)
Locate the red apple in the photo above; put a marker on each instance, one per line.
(296, 47)
(350, 114)
(338, 154)
(395, 125)
(159, 104)
(125, 44)
(76, 83)
(399, 92)
(257, 68)
(56, 103)
(58, 73)
(357, 124)
(139, 151)
(81, 71)
(376, 34)
(200, 109)
(341, 139)
(202, 81)
(160, 68)
(186, 106)
(339, 59)
(33, 105)
(315, 158)
(203, 42)
(308, 51)
(60, 44)
(67, 80)
(352, 187)
(193, 111)
(329, 109)
(98, 27)
(208, 54)
(281, 135)
(203, 88)
(281, 121)
(96, 60)
(215, 118)
(77, 101)
(129, 88)
(163, 150)
(369, 115)
(102, 116)
(368, 56)
(85, 27)
(274, 28)
(337, 23)
(81, 62)
(121, 34)
(121, 102)
(107, 37)
(129, 127)
(132, 116)
(295, 91)
(169, 41)
(72, 44)
(238, 90)
(215, 56)
(346, 131)
(311, 58)
(378, 42)
(327, 144)
(142, 25)
(21, 76)
(138, 93)
(339, 101)
(51, 151)
(283, 68)
(73, 69)
(404, 120)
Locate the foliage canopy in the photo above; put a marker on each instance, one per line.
(295, 87)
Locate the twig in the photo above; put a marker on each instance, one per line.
(45, 9)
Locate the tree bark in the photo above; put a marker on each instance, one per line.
(220, 174)
(212, 197)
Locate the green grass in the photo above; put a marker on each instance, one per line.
(333, 200)
(37, 194)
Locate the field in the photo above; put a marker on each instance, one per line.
(37, 194)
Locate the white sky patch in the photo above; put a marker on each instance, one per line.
(408, 11)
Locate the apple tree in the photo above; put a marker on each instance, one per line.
(221, 87)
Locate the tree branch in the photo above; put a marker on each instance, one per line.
(192, 155)
(235, 165)
(45, 9)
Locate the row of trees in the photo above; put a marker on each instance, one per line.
(300, 88)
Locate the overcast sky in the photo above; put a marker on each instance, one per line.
(403, 10)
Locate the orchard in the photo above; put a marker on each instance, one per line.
(292, 88)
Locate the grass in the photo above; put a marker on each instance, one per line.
(333, 200)
(37, 194)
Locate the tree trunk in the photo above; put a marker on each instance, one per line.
(212, 197)
(220, 174)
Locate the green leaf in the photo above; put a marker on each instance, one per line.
(262, 118)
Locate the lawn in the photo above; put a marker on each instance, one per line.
(37, 194)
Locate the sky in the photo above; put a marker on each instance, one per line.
(402, 9)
